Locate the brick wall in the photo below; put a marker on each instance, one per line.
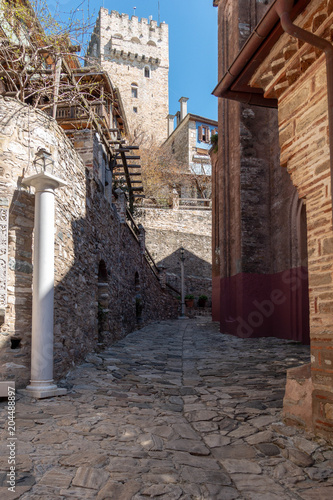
(298, 80)
(255, 206)
(88, 237)
(304, 141)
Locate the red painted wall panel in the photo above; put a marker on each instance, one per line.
(266, 305)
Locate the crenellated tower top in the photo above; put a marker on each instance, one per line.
(135, 53)
(119, 35)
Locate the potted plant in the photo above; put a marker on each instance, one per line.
(189, 300)
(202, 300)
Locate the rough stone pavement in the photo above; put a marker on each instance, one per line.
(173, 411)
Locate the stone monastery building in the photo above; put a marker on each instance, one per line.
(187, 221)
(66, 229)
(136, 54)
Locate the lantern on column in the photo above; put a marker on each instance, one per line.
(43, 162)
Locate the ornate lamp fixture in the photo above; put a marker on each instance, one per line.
(43, 162)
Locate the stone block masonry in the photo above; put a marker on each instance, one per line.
(100, 271)
(166, 231)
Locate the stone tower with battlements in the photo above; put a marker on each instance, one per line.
(136, 56)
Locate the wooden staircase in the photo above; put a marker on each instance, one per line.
(124, 168)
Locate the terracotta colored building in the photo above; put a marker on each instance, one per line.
(287, 63)
(259, 221)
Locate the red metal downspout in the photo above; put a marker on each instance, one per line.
(283, 9)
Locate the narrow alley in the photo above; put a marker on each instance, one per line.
(175, 410)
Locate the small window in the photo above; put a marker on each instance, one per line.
(102, 272)
(134, 90)
(204, 133)
(147, 72)
(173, 147)
(135, 110)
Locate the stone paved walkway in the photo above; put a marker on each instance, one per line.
(174, 411)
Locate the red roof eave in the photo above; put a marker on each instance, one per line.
(235, 83)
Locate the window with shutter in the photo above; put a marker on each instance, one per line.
(200, 133)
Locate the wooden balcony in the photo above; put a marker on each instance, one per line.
(77, 114)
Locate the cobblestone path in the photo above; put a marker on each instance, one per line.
(174, 411)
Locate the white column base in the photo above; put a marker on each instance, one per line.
(45, 389)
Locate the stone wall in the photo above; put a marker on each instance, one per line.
(167, 231)
(101, 274)
(125, 47)
(178, 142)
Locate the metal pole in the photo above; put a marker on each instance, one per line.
(182, 259)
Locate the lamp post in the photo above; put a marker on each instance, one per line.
(45, 183)
(182, 260)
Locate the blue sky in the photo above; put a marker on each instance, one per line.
(192, 41)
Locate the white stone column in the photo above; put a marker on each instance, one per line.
(41, 383)
(182, 284)
(175, 199)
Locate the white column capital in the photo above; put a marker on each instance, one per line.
(43, 181)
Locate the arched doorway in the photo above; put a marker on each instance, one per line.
(299, 283)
